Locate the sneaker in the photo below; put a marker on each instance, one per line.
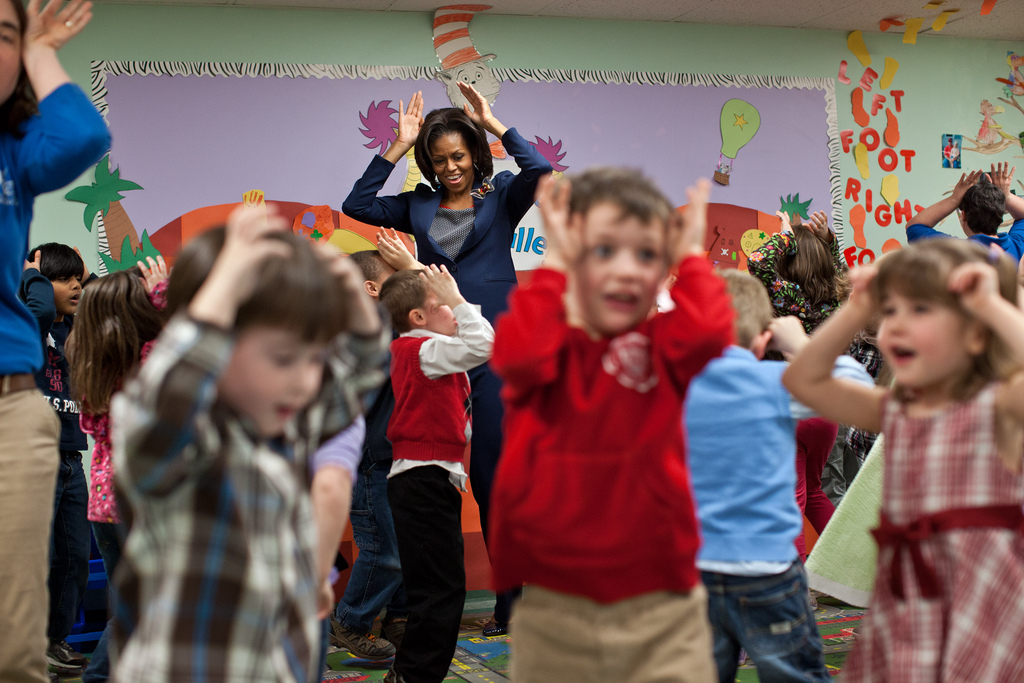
(394, 630)
(364, 646)
(60, 656)
(393, 676)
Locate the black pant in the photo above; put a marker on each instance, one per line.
(427, 511)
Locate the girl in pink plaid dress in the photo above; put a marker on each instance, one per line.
(948, 603)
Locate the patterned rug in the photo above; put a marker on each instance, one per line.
(486, 660)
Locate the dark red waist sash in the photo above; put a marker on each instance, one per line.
(907, 538)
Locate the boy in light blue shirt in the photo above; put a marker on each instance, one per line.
(741, 433)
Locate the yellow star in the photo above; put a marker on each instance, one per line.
(740, 121)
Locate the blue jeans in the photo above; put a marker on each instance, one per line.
(771, 618)
(70, 545)
(110, 540)
(376, 578)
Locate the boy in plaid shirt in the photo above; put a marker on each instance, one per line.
(212, 444)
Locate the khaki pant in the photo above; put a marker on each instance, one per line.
(658, 637)
(29, 457)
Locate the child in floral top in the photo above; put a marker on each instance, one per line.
(803, 269)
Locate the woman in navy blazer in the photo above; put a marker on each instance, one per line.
(453, 156)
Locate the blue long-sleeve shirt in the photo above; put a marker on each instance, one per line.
(60, 143)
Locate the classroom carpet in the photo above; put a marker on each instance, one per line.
(486, 660)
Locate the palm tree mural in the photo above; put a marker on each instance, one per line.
(102, 201)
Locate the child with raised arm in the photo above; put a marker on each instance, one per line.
(948, 603)
(218, 579)
(593, 505)
(980, 200)
(441, 338)
(744, 481)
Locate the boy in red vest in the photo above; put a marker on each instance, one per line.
(592, 503)
(441, 337)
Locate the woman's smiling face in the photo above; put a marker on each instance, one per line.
(453, 164)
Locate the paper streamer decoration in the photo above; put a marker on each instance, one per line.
(857, 216)
(860, 116)
(890, 189)
(986, 7)
(891, 67)
(911, 29)
(892, 128)
(855, 41)
(885, 24)
(932, 5)
(860, 156)
(940, 21)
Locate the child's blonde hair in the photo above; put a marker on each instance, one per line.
(921, 271)
(751, 303)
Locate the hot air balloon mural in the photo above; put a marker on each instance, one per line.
(739, 123)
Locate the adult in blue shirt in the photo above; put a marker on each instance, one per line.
(980, 200)
(49, 134)
(464, 220)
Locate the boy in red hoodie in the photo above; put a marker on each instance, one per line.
(592, 506)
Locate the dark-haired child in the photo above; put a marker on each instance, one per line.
(980, 200)
(593, 509)
(51, 287)
(218, 579)
(442, 337)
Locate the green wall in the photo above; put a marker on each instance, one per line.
(944, 79)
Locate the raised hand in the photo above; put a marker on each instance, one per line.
(363, 318)
(85, 268)
(818, 223)
(786, 225)
(51, 28)
(154, 271)
(36, 262)
(788, 335)
(976, 283)
(443, 285)
(563, 234)
(686, 232)
(410, 122)
(1001, 177)
(394, 252)
(966, 182)
(861, 297)
(480, 113)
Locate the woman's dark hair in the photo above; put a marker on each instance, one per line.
(114, 321)
(295, 292)
(442, 122)
(59, 261)
(22, 104)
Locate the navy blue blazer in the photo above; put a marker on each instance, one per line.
(483, 268)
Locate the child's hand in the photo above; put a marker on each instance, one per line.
(85, 268)
(154, 273)
(363, 317)
(236, 271)
(686, 233)
(861, 297)
(347, 273)
(562, 231)
(788, 335)
(325, 599)
(394, 252)
(1001, 177)
(966, 182)
(786, 225)
(52, 29)
(976, 283)
(818, 223)
(443, 285)
(36, 262)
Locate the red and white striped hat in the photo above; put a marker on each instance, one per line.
(451, 35)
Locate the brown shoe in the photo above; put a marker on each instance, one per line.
(364, 646)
